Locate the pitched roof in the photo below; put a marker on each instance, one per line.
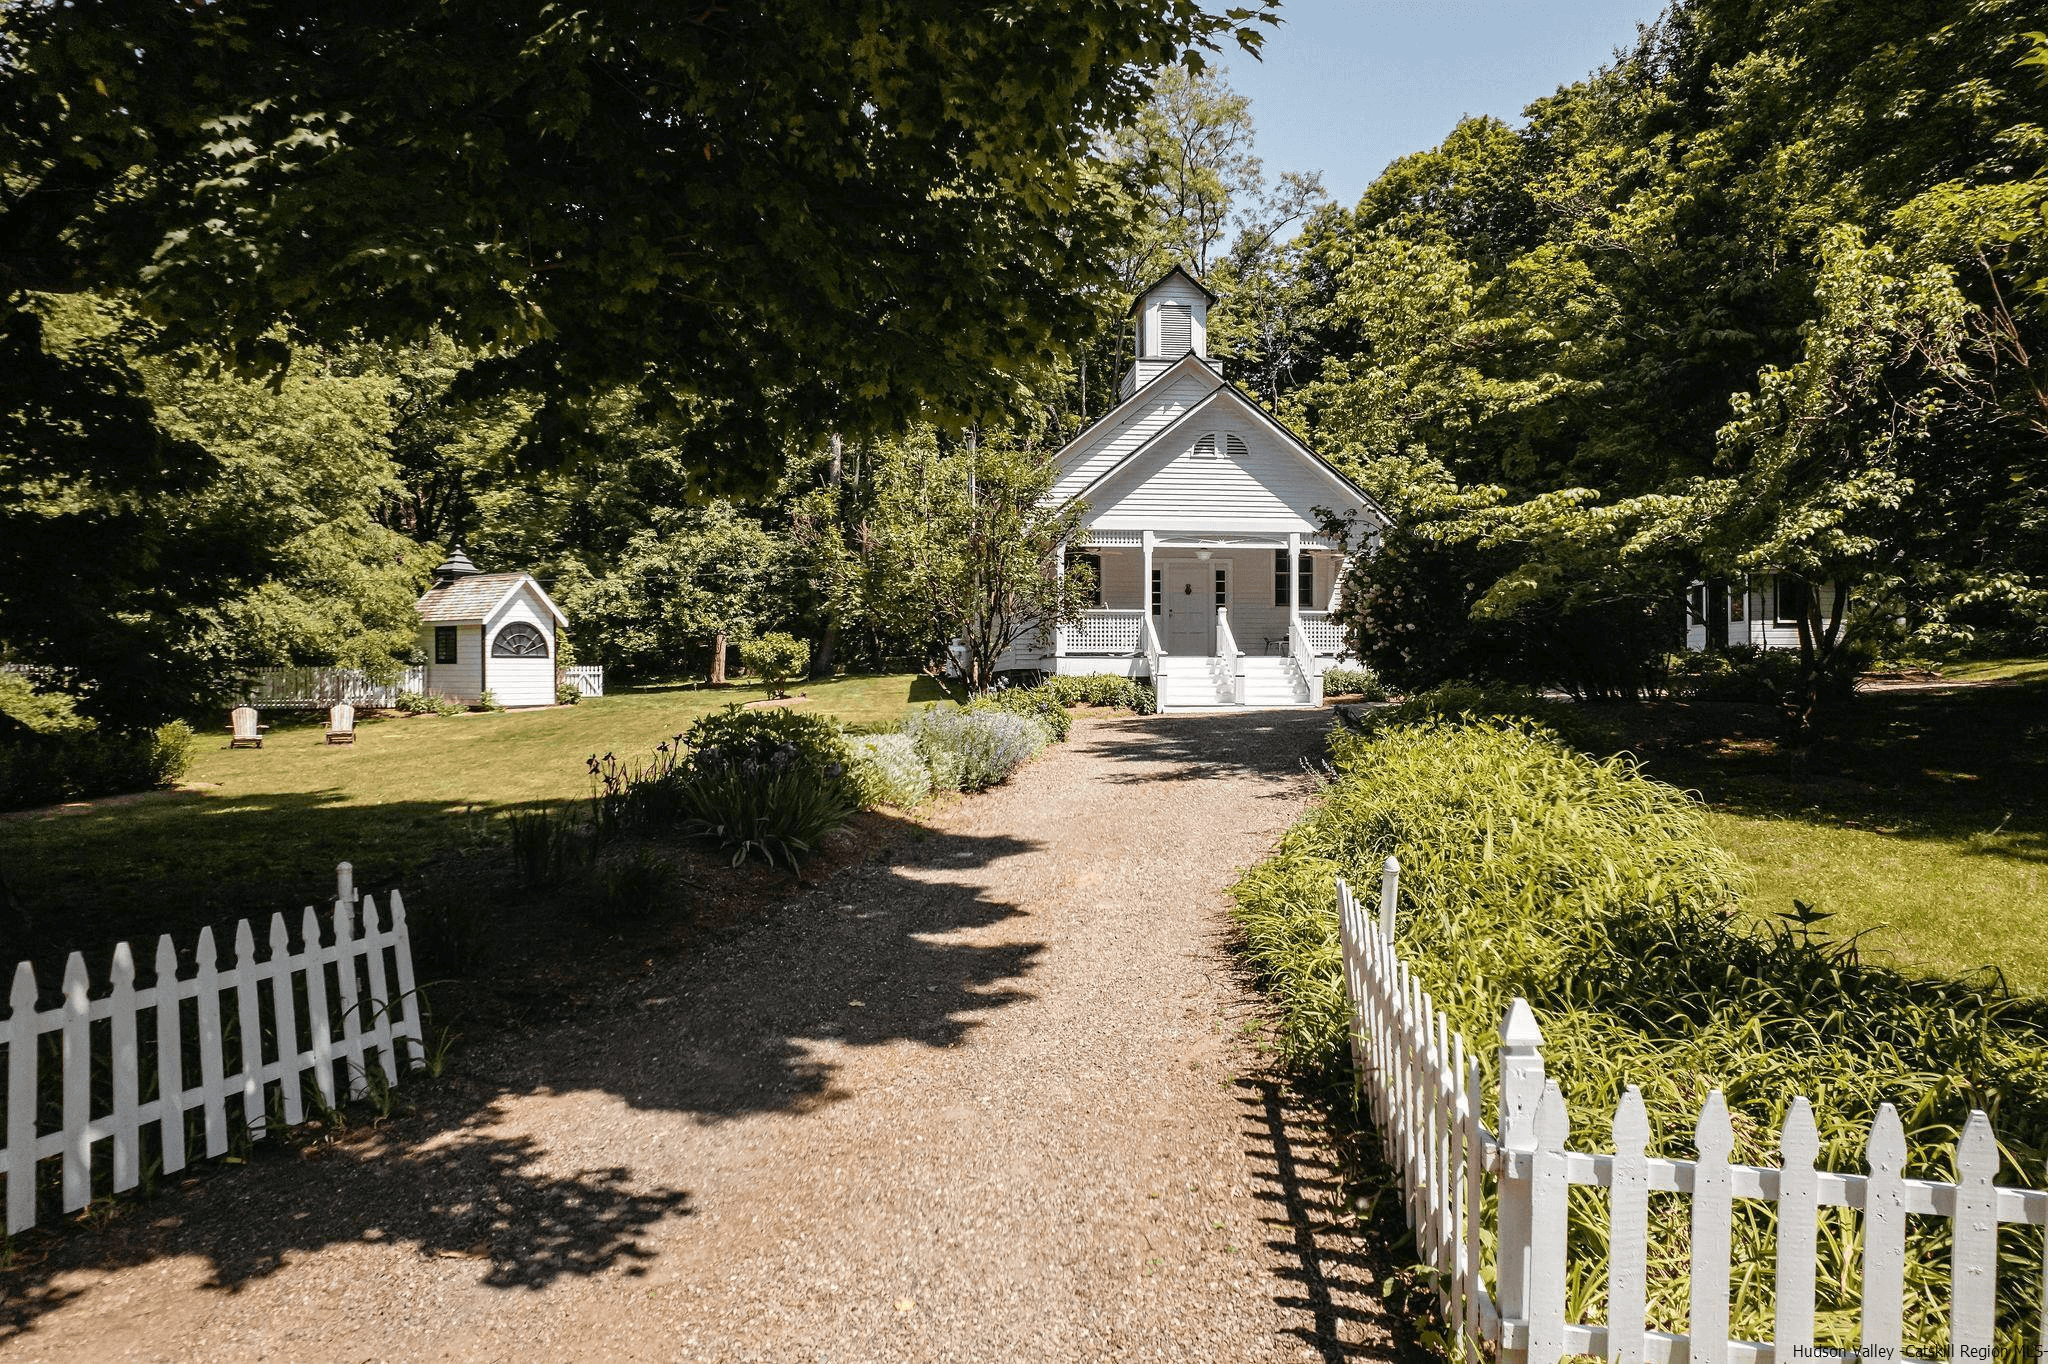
(1175, 269)
(474, 598)
(1288, 437)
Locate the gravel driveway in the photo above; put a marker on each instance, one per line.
(993, 1098)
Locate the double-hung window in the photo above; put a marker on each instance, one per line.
(1305, 580)
(444, 644)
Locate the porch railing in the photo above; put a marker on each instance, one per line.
(1324, 635)
(1107, 632)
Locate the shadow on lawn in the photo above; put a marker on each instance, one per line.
(1964, 763)
(745, 1025)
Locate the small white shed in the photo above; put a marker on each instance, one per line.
(489, 632)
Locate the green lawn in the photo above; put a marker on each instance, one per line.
(262, 828)
(1923, 825)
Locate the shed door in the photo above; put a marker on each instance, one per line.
(1190, 608)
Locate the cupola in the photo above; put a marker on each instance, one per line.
(1170, 319)
(456, 565)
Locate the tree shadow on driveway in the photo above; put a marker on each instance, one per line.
(735, 1028)
(1201, 747)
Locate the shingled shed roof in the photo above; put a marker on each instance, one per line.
(473, 598)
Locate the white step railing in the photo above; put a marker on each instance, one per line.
(1107, 632)
(1229, 658)
(1426, 1095)
(1302, 654)
(360, 1027)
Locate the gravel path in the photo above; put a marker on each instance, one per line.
(993, 1098)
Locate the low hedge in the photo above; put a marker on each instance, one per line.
(1594, 892)
(80, 763)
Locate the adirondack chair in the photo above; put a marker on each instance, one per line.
(341, 724)
(247, 733)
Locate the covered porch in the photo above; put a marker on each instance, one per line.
(1214, 619)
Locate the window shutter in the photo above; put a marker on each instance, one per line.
(1279, 577)
(1176, 330)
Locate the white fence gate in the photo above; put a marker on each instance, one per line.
(1426, 1097)
(588, 681)
(319, 1021)
(319, 688)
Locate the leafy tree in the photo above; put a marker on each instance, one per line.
(834, 212)
(676, 595)
(1754, 297)
(964, 548)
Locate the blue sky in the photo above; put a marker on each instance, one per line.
(1348, 85)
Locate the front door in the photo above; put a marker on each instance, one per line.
(1189, 596)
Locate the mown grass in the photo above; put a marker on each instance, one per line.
(257, 830)
(1922, 824)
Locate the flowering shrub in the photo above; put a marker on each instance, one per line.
(1035, 703)
(972, 750)
(888, 771)
(759, 783)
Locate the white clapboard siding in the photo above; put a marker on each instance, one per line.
(378, 1028)
(1424, 1093)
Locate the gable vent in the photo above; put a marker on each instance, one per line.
(1176, 330)
(1205, 446)
(1233, 445)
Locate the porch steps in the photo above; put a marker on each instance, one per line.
(1274, 682)
(1196, 683)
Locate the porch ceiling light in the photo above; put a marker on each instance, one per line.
(1203, 554)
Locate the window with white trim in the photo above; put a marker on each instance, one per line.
(1305, 584)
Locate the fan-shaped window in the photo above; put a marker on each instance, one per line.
(1205, 446)
(1233, 445)
(519, 640)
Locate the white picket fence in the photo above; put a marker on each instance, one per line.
(352, 1023)
(1425, 1092)
(319, 688)
(587, 680)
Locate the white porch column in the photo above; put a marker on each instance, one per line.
(1059, 630)
(1145, 585)
(1294, 577)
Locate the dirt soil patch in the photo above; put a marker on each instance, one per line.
(999, 1095)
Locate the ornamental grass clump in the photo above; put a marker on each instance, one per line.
(1594, 892)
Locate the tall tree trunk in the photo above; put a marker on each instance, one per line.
(718, 642)
(824, 657)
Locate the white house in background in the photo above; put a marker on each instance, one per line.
(1764, 612)
(1202, 517)
(489, 632)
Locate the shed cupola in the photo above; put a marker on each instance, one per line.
(456, 565)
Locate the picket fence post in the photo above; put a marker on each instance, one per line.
(1521, 1090)
(229, 1063)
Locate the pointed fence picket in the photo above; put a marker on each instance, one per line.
(1424, 1092)
(365, 1029)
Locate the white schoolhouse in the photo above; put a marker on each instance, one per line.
(489, 632)
(1204, 527)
